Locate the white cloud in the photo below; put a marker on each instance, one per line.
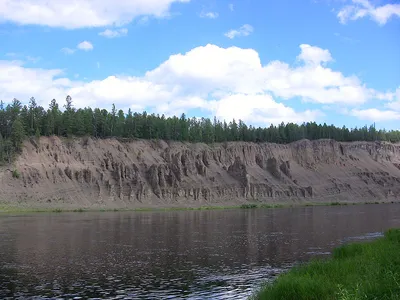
(395, 100)
(143, 20)
(85, 46)
(240, 71)
(363, 8)
(83, 13)
(21, 82)
(109, 33)
(209, 14)
(98, 65)
(68, 51)
(231, 7)
(244, 30)
(227, 82)
(314, 55)
(376, 115)
(259, 109)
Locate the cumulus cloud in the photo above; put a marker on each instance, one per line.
(376, 115)
(109, 33)
(83, 13)
(259, 109)
(314, 55)
(226, 82)
(394, 100)
(17, 80)
(240, 70)
(244, 30)
(85, 46)
(363, 8)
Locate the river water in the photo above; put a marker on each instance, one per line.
(214, 254)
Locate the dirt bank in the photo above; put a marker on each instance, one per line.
(94, 173)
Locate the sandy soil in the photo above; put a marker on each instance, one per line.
(94, 173)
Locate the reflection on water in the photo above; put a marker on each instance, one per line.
(217, 254)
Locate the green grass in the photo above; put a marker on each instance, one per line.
(246, 206)
(15, 208)
(355, 271)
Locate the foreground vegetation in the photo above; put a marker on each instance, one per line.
(7, 208)
(18, 121)
(355, 271)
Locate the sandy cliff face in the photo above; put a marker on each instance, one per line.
(110, 173)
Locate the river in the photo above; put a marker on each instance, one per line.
(211, 254)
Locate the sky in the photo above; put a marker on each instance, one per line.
(261, 61)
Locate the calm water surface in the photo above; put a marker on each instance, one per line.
(220, 254)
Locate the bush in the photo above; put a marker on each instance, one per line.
(246, 206)
(15, 174)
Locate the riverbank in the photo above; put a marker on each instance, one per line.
(7, 208)
(87, 173)
(355, 271)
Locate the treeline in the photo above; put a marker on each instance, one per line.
(18, 121)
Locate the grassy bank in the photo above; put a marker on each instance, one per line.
(355, 271)
(8, 208)
(19, 209)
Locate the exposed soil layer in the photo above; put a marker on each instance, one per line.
(111, 173)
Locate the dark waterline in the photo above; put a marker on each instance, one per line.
(217, 254)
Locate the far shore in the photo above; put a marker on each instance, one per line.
(10, 208)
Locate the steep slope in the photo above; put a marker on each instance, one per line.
(114, 173)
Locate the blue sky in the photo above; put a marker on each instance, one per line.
(333, 61)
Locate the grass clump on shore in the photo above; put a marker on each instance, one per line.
(355, 271)
(246, 206)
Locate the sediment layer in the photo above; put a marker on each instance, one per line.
(90, 173)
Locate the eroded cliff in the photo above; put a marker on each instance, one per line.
(91, 173)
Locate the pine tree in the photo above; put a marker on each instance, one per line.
(128, 128)
(15, 109)
(16, 120)
(32, 115)
(68, 116)
(113, 119)
(37, 135)
(17, 134)
(79, 123)
(184, 128)
(1, 149)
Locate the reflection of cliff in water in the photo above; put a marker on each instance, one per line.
(172, 251)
